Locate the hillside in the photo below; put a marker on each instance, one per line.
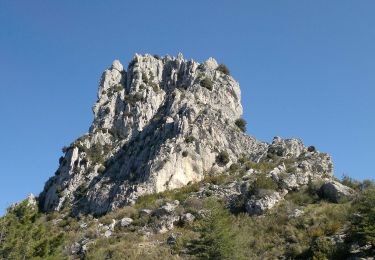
(167, 171)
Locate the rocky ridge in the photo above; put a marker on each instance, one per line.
(163, 123)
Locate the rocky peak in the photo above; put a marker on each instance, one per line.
(159, 124)
(128, 100)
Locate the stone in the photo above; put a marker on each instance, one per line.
(286, 147)
(145, 212)
(125, 222)
(165, 223)
(257, 206)
(211, 63)
(166, 209)
(296, 213)
(83, 225)
(108, 233)
(112, 225)
(203, 213)
(116, 65)
(31, 200)
(335, 191)
(187, 218)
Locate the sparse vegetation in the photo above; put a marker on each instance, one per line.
(262, 166)
(101, 169)
(144, 77)
(118, 87)
(155, 86)
(311, 148)
(262, 182)
(207, 83)
(27, 233)
(80, 191)
(241, 124)
(132, 63)
(222, 158)
(189, 139)
(133, 98)
(223, 69)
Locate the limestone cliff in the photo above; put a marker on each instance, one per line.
(160, 124)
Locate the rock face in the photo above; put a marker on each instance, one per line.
(160, 124)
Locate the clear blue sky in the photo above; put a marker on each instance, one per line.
(306, 69)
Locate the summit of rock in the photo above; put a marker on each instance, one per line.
(160, 124)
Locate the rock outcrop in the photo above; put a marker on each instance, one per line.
(160, 124)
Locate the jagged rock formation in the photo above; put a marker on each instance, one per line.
(161, 124)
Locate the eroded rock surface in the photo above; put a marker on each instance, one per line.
(160, 124)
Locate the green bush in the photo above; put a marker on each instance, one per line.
(223, 68)
(28, 236)
(132, 63)
(97, 153)
(155, 87)
(222, 158)
(363, 222)
(65, 149)
(184, 153)
(101, 169)
(234, 167)
(216, 239)
(350, 182)
(133, 98)
(311, 148)
(118, 87)
(61, 159)
(144, 78)
(262, 182)
(241, 124)
(263, 166)
(323, 248)
(207, 83)
(157, 56)
(189, 139)
(80, 191)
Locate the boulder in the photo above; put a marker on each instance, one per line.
(166, 209)
(126, 222)
(145, 212)
(335, 191)
(165, 223)
(187, 218)
(296, 213)
(108, 233)
(258, 205)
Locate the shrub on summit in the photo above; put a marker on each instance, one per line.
(224, 69)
